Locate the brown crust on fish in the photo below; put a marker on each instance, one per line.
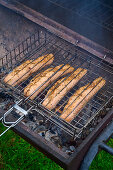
(61, 87)
(25, 70)
(80, 98)
(43, 79)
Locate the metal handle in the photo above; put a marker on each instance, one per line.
(12, 124)
(93, 150)
(106, 148)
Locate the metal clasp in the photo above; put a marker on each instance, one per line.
(12, 124)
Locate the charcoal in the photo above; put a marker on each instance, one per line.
(72, 142)
(49, 135)
(99, 120)
(72, 148)
(40, 128)
(107, 109)
(63, 140)
(53, 129)
(91, 129)
(31, 125)
(39, 120)
(34, 118)
(51, 132)
(59, 131)
(69, 152)
(31, 117)
(42, 133)
(64, 148)
(6, 100)
(78, 141)
(78, 131)
(55, 140)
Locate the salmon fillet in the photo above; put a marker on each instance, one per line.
(43, 79)
(23, 71)
(61, 87)
(80, 98)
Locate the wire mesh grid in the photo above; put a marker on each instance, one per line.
(64, 53)
(98, 11)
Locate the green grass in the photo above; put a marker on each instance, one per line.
(16, 153)
(103, 161)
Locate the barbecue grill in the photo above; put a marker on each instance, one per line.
(68, 47)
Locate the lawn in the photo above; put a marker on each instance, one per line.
(16, 153)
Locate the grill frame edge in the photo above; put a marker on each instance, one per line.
(51, 151)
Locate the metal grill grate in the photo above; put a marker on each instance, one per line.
(43, 43)
(97, 11)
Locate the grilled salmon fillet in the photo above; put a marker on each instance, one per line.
(23, 71)
(61, 87)
(80, 98)
(43, 79)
